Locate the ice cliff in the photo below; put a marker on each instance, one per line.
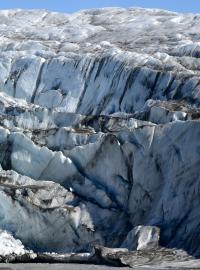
(99, 129)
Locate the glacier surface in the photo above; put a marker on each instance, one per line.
(99, 132)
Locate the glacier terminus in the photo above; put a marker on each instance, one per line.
(100, 137)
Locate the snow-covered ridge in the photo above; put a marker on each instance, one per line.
(99, 131)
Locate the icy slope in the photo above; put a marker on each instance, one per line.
(99, 61)
(99, 116)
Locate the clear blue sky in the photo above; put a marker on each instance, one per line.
(75, 5)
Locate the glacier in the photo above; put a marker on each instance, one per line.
(99, 134)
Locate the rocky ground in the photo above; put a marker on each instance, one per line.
(58, 267)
